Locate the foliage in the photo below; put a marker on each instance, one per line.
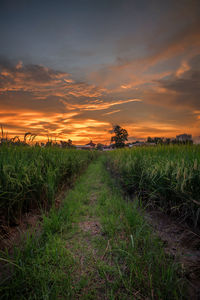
(167, 177)
(167, 141)
(30, 176)
(121, 135)
(67, 144)
(15, 141)
(156, 140)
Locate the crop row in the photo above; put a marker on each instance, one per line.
(165, 177)
(31, 176)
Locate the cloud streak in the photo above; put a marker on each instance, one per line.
(111, 112)
(98, 104)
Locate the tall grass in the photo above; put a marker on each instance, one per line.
(31, 176)
(167, 177)
(125, 260)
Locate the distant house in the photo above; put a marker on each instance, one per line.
(91, 145)
(88, 146)
(184, 137)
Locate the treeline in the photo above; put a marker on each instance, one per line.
(168, 141)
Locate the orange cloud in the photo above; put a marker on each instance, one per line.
(56, 125)
(183, 68)
(153, 129)
(131, 72)
(43, 82)
(100, 105)
(89, 123)
(112, 112)
(49, 103)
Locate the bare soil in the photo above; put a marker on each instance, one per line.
(181, 243)
(11, 235)
(92, 226)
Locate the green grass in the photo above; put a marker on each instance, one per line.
(123, 259)
(165, 177)
(31, 176)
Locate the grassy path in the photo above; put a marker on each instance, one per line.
(97, 246)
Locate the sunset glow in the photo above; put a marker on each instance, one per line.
(72, 71)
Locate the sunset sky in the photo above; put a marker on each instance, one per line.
(73, 69)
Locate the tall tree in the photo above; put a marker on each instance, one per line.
(121, 135)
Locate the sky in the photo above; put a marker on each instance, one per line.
(74, 69)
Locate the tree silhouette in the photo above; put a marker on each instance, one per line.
(121, 135)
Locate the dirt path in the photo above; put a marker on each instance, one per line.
(102, 241)
(96, 246)
(92, 275)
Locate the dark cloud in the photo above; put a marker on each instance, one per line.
(5, 63)
(186, 86)
(30, 72)
(26, 101)
(195, 62)
(40, 73)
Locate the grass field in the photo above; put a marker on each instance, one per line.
(97, 244)
(31, 176)
(165, 177)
